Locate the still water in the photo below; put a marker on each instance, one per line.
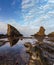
(16, 55)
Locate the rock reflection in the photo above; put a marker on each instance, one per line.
(39, 53)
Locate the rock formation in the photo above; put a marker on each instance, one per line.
(35, 54)
(40, 35)
(51, 34)
(13, 34)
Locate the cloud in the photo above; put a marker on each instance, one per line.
(30, 28)
(27, 9)
(38, 13)
(22, 28)
(27, 4)
(32, 9)
(34, 12)
(25, 1)
(51, 1)
(34, 16)
(33, 27)
(3, 27)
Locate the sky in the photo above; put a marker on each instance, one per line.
(27, 15)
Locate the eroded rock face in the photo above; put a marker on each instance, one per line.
(35, 54)
(51, 34)
(51, 37)
(40, 34)
(41, 31)
(13, 33)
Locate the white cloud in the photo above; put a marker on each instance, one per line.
(51, 13)
(27, 4)
(3, 27)
(51, 1)
(31, 9)
(26, 18)
(34, 17)
(28, 9)
(23, 29)
(28, 29)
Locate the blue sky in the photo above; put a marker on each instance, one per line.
(10, 9)
(27, 15)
